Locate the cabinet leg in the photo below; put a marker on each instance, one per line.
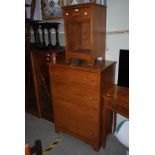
(95, 147)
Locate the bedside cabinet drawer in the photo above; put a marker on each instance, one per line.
(81, 13)
(77, 14)
(113, 105)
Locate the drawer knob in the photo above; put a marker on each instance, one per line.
(85, 13)
(48, 54)
(76, 10)
(47, 59)
(67, 14)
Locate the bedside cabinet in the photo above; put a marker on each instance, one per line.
(85, 30)
(77, 98)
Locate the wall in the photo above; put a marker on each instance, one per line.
(117, 19)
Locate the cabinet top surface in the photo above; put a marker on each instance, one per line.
(82, 5)
(98, 67)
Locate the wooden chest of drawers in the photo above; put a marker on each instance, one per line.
(77, 99)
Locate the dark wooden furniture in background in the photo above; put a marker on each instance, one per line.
(77, 98)
(40, 42)
(116, 100)
(37, 55)
(41, 79)
(40, 61)
(85, 28)
(30, 99)
(36, 149)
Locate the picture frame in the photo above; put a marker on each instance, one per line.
(51, 9)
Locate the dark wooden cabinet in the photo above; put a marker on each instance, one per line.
(85, 28)
(30, 99)
(77, 98)
(40, 61)
(37, 56)
(40, 70)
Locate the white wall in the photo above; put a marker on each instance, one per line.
(117, 19)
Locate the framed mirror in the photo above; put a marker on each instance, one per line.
(51, 9)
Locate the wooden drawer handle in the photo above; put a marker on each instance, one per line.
(85, 13)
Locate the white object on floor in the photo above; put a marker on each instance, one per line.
(122, 133)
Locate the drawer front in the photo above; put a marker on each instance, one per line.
(76, 119)
(118, 108)
(82, 78)
(77, 94)
(77, 14)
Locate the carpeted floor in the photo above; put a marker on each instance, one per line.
(36, 128)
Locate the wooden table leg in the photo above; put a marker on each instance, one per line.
(114, 121)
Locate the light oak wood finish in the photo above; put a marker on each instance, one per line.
(77, 98)
(85, 28)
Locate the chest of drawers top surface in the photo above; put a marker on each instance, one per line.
(99, 67)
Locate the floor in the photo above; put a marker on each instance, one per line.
(36, 128)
